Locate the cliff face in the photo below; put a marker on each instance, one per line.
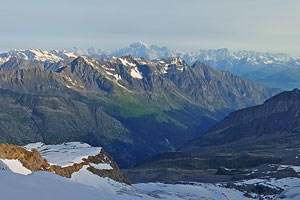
(64, 160)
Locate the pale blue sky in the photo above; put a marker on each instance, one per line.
(188, 25)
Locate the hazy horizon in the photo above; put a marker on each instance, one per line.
(175, 50)
(259, 25)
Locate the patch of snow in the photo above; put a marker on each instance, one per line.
(117, 77)
(250, 182)
(268, 62)
(69, 54)
(37, 55)
(46, 186)
(143, 63)
(101, 166)
(107, 186)
(126, 63)
(165, 69)
(135, 73)
(177, 61)
(16, 166)
(89, 61)
(295, 168)
(189, 191)
(106, 68)
(65, 154)
(180, 69)
(3, 60)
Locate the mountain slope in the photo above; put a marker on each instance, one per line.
(257, 141)
(110, 102)
(277, 117)
(266, 68)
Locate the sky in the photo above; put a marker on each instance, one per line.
(186, 25)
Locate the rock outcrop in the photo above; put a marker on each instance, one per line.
(32, 159)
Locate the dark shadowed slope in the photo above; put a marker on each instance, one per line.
(257, 138)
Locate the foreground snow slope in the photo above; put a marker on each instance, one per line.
(46, 186)
(16, 166)
(49, 186)
(90, 180)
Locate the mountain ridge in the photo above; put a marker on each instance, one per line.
(109, 102)
(268, 68)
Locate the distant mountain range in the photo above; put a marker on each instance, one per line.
(138, 108)
(277, 70)
(133, 107)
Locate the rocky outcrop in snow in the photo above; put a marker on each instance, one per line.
(64, 159)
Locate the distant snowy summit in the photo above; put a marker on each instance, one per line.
(37, 55)
(154, 52)
(277, 70)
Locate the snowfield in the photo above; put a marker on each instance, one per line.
(65, 154)
(86, 185)
(16, 166)
(46, 186)
(17, 182)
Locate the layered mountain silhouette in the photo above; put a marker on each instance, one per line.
(278, 70)
(133, 107)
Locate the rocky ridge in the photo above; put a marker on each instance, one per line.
(109, 102)
(100, 164)
(278, 70)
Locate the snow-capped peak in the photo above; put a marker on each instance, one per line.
(38, 55)
(140, 44)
